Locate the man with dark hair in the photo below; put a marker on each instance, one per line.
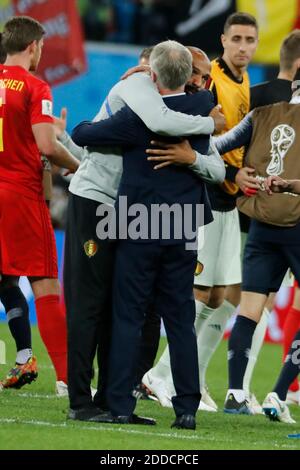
(2, 51)
(290, 50)
(20, 325)
(240, 19)
(280, 88)
(274, 91)
(19, 32)
(216, 300)
(27, 132)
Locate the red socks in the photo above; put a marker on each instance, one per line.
(53, 330)
(290, 328)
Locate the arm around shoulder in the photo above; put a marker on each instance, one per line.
(211, 167)
(141, 95)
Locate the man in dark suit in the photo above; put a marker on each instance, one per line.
(147, 267)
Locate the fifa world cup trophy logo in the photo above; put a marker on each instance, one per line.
(282, 138)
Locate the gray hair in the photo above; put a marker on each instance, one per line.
(172, 63)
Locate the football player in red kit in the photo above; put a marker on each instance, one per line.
(27, 246)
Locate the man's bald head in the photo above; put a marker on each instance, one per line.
(201, 70)
(200, 52)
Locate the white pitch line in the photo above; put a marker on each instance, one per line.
(180, 436)
(103, 428)
(34, 395)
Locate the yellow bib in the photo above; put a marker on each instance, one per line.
(235, 101)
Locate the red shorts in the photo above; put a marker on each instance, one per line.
(27, 243)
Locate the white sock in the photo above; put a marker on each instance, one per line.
(257, 342)
(23, 356)
(202, 313)
(211, 335)
(161, 369)
(239, 395)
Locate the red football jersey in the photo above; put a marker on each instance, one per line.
(24, 100)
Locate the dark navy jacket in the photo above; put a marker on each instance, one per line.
(140, 182)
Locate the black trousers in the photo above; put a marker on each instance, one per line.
(149, 343)
(144, 272)
(88, 271)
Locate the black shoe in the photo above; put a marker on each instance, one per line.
(99, 401)
(133, 419)
(90, 413)
(185, 422)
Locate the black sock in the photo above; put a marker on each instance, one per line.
(239, 346)
(290, 370)
(17, 313)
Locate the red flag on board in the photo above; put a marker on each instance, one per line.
(63, 55)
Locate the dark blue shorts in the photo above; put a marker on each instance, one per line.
(265, 264)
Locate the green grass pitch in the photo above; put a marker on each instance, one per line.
(33, 418)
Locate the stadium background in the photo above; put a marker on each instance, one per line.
(90, 43)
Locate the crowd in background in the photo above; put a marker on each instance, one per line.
(147, 22)
(127, 21)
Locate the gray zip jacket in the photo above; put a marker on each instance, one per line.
(100, 171)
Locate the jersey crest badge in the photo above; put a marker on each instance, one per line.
(199, 268)
(90, 248)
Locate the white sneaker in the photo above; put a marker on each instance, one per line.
(204, 407)
(293, 398)
(254, 405)
(276, 410)
(157, 387)
(61, 389)
(206, 399)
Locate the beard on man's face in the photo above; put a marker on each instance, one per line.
(191, 88)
